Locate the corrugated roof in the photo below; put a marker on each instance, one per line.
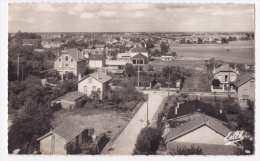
(68, 130)
(208, 149)
(196, 123)
(139, 49)
(243, 79)
(71, 96)
(99, 76)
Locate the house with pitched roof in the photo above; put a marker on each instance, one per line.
(64, 139)
(96, 61)
(70, 60)
(245, 89)
(97, 82)
(139, 55)
(226, 75)
(204, 132)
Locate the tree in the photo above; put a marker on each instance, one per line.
(251, 104)
(224, 41)
(147, 141)
(149, 44)
(129, 70)
(200, 41)
(215, 82)
(187, 151)
(184, 95)
(164, 48)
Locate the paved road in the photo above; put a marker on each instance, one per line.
(125, 143)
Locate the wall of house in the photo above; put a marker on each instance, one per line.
(250, 92)
(66, 104)
(203, 135)
(45, 145)
(81, 67)
(89, 86)
(221, 76)
(96, 63)
(59, 65)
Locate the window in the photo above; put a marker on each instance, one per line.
(252, 83)
(134, 61)
(90, 80)
(66, 58)
(141, 61)
(71, 59)
(242, 101)
(226, 77)
(94, 88)
(86, 89)
(59, 59)
(66, 65)
(244, 90)
(245, 97)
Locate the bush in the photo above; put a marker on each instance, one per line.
(215, 83)
(184, 95)
(187, 151)
(147, 141)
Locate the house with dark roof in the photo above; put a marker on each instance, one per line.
(226, 75)
(69, 100)
(70, 60)
(245, 89)
(64, 139)
(96, 61)
(193, 109)
(204, 132)
(97, 82)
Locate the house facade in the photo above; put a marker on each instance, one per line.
(70, 60)
(226, 75)
(245, 89)
(97, 82)
(96, 61)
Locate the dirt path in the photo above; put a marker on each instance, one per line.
(124, 144)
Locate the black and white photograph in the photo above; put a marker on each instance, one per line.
(131, 79)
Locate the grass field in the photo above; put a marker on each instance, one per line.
(234, 51)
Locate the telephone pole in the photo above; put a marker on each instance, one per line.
(22, 72)
(18, 69)
(169, 85)
(147, 111)
(228, 80)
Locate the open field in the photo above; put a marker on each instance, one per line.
(234, 51)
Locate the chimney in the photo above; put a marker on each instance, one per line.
(207, 122)
(220, 110)
(176, 110)
(79, 76)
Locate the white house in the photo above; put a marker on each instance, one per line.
(96, 61)
(95, 82)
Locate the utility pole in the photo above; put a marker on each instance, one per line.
(147, 111)
(228, 80)
(22, 72)
(18, 69)
(169, 85)
(138, 73)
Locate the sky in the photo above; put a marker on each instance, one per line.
(130, 17)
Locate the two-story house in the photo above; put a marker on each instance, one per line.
(139, 55)
(95, 82)
(70, 60)
(225, 75)
(245, 89)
